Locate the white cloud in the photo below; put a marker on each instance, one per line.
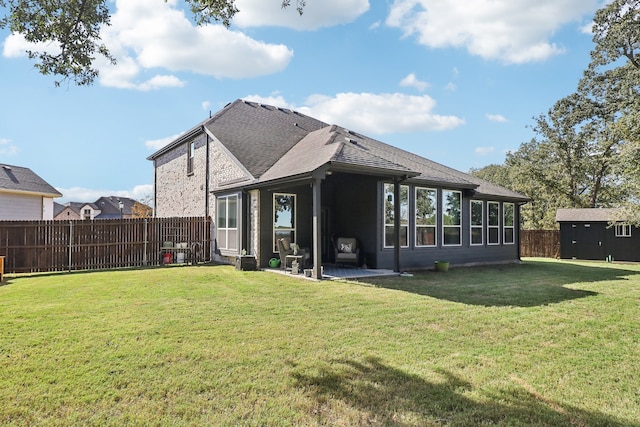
(371, 113)
(498, 118)
(206, 105)
(6, 148)
(412, 81)
(451, 87)
(275, 100)
(483, 151)
(90, 195)
(513, 32)
(156, 144)
(317, 14)
(147, 36)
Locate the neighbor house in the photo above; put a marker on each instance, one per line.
(112, 207)
(597, 234)
(264, 173)
(24, 195)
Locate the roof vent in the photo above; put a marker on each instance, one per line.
(6, 167)
(353, 141)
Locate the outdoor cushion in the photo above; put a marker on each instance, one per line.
(347, 250)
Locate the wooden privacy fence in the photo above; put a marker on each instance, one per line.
(34, 246)
(540, 243)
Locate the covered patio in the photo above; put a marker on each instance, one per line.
(338, 272)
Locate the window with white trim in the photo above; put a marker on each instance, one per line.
(508, 223)
(426, 216)
(493, 223)
(451, 218)
(477, 222)
(227, 226)
(284, 218)
(191, 152)
(389, 216)
(623, 230)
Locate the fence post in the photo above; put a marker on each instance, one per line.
(70, 243)
(145, 259)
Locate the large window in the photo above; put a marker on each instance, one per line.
(426, 216)
(389, 216)
(452, 217)
(284, 218)
(623, 230)
(477, 222)
(493, 226)
(508, 215)
(227, 212)
(191, 152)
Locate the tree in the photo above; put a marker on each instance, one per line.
(615, 69)
(73, 26)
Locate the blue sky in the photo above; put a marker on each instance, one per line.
(456, 82)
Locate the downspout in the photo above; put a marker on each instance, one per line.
(155, 189)
(396, 224)
(519, 234)
(206, 176)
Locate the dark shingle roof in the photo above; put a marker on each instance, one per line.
(24, 180)
(588, 215)
(259, 135)
(274, 143)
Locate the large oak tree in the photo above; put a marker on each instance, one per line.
(73, 27)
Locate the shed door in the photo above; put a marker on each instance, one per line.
(588, 241)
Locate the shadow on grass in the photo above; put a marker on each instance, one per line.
(383, 395)
(533, 283)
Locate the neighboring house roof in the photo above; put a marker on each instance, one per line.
(106, 207)
(17, 179)
(588, 215)
(58, 208)
(110, 206)
(275, 143)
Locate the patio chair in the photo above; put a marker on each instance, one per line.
(347, 250)
(285, 248)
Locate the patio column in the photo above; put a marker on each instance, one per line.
(396, 224)
(317, 238)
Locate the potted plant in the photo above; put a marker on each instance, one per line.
(442, 266)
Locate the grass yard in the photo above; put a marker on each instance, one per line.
(545, 343)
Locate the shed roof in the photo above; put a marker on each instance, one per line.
(19, 179)
(587, 215)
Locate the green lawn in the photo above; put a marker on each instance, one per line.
(543, 343)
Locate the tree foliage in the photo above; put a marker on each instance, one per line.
(586, 149)
(66, 33)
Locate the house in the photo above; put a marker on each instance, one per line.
(112, 207)
(596, 234)
(264, 173)
(24, 195)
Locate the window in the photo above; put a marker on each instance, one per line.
(477, 222)
(452, 217)
(508, 218)
(389, 214)
(426, 216)
(227, 212)
(190, 155)
(493, 226)
(623, 230)
(284, 218)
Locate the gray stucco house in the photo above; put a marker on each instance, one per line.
(263, 173)
(24, 195)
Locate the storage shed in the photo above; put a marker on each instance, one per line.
(596, 234)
